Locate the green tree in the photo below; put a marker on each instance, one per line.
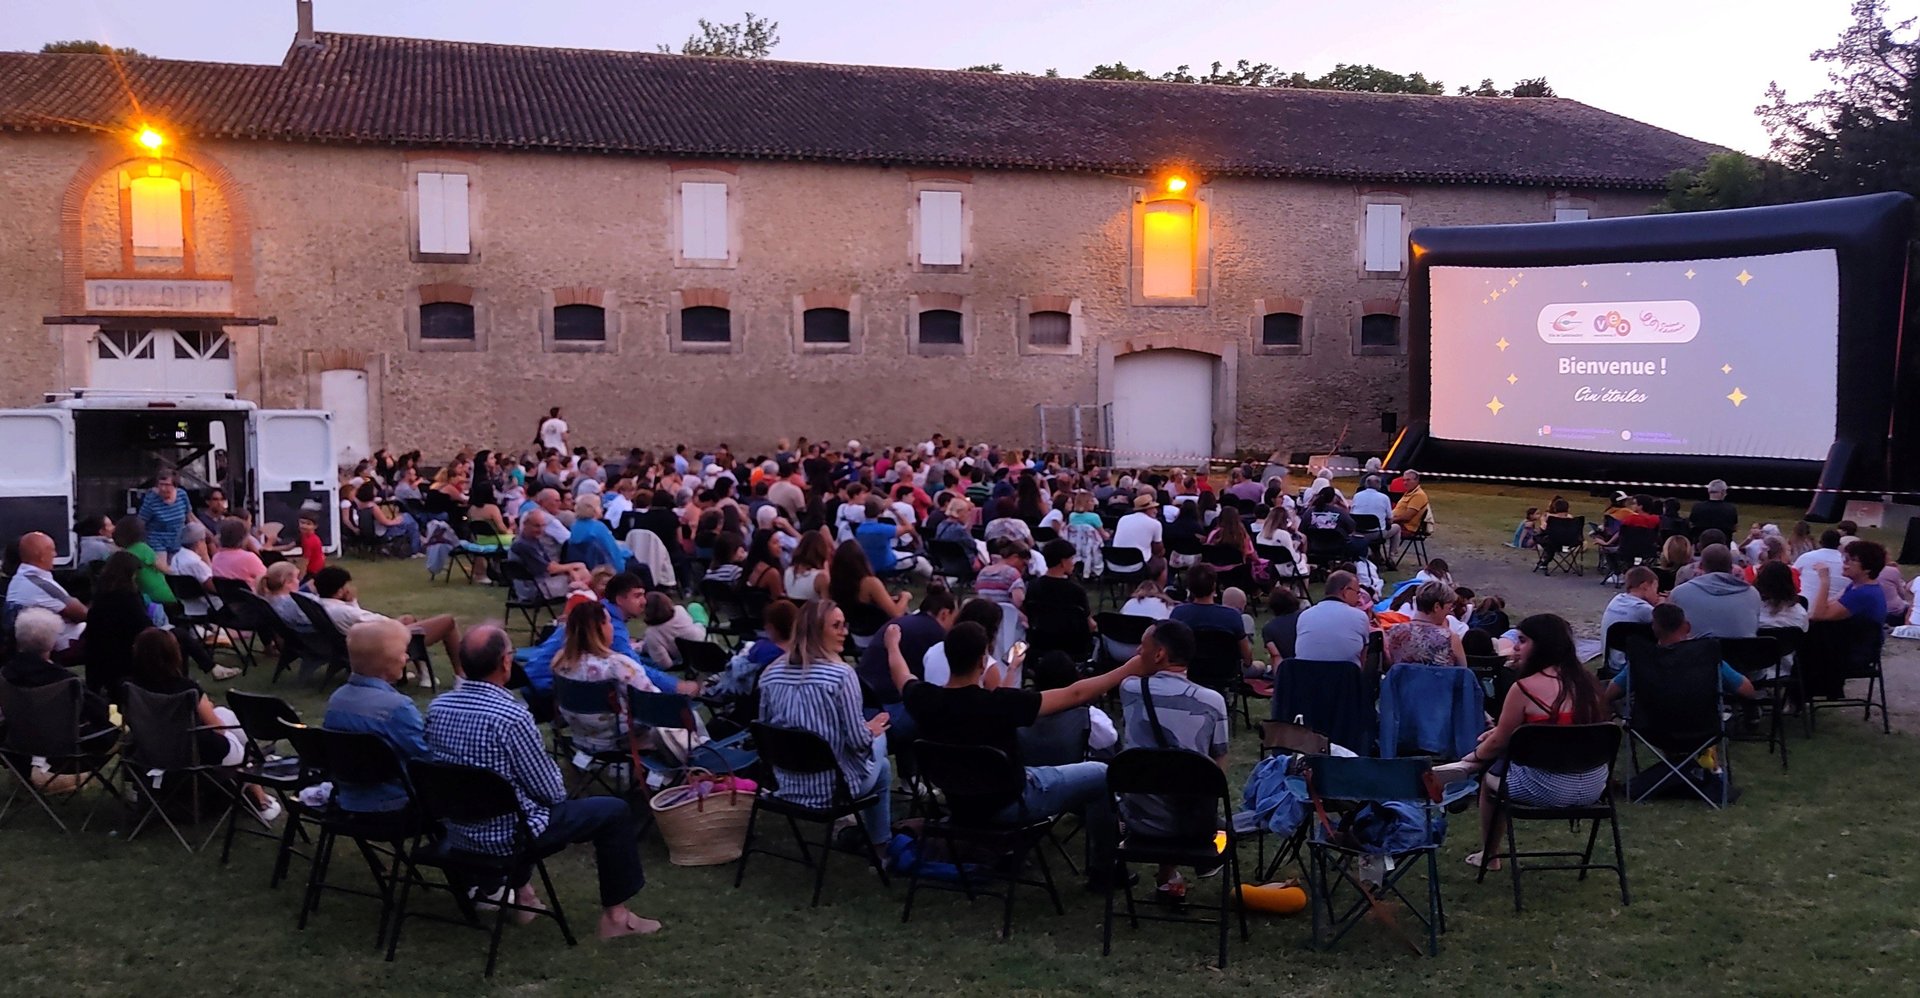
(1533, 86)
(985, 67)
(1117, 71)
(85, 47)
(1374, 80)
(1485, 89)
(1727, 180)
(1862, 133)
(753, 38)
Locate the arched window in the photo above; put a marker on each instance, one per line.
(1050, 329)
(156, 204)
(580, 323)
(706, 324)
(446, 320)
(940, 327)
(1280, 329)
(826, 325)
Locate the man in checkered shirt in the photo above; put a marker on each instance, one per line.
(480, 724)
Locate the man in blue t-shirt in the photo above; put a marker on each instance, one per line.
(878, 533)
(1202, 613)
(1670, 627)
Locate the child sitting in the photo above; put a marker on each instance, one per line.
(1531, 527)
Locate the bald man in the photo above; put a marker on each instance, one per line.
(369, 704)
(33, 585)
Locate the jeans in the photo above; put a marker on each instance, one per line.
(408, 529)
(1080, 788)
(900, 726)
(877, 818)
(607, 822)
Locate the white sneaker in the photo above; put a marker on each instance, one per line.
(269, 812)
(426, 680)
(224, 672)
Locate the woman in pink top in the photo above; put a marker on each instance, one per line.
(233, 560)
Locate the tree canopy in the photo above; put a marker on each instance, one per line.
(753, 38)
(88, 47)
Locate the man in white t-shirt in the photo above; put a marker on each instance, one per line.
(1370, 501)
(33, 585)
(553, 432)
(1141, 530)
(1336, 628)
(1828, 554)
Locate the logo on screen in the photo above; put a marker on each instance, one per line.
(1567, 320)
(1612, 322)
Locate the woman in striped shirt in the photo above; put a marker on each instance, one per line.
(813, 689)
(165, 509)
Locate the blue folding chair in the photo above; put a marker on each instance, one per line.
(1354, 843)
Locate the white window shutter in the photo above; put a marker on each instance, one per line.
(457, 236)
(1570, 214)
(940, 228)
(432, 211)
(703, 221)
(1383, 238)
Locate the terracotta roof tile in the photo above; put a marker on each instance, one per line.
(416, 92)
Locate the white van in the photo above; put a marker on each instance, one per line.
(92, 451)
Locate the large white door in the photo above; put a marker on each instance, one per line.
(36, 480)
(294, 468)
(1163, 408)
(344, 394)
(162, 360)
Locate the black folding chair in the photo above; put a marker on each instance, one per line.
(1788, 683)
(163, 738)
(727, 616)
(1119, 638)
(1560, 749)
(1758, 658)
(524, 597)
(1496, 677)
(1836, 652)
(1325, 546)
(864, 620)
(982, 850)
(1183, 781)
(804, 753)
(245, 618)
(1562, 544)
(953, 562)
(1414, 542)
(1229, 561)
(450, 793)
(1356, 789)
(573, 698)
(701, 659)
(358, 759)
(1626, 638)
(1126, 568)
(1636, 545)
(326, 639)
(43, 722)
(1217, 666)
(266, 721)
(1284, 571)
(1674, 713)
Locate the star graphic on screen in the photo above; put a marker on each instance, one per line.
(1511, 378)
(1513, 282)
(1737, 397)
(1483, 301)
(1726, 369)
(1689, 273)
(1583, 284)
(1495, 295)
(1743, 277)
(1502, 344)
(1496, 405)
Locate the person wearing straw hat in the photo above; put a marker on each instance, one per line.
(1141, 529)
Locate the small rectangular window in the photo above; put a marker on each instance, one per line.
(706, 324)
(940, 327)
(1383, 242)
(940, 228)
(446, 320)
(826, 325)
(159, 228)
(580, 323)
(1050, 329)
(444, 223)
(703, 221)
(1379, 330)
(1280, 329)
(1570, 214)
(1167, 260)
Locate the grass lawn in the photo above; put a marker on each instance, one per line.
(1802, 887)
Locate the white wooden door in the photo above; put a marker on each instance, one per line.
(344, 394)
(162, 360)
(1163, 408)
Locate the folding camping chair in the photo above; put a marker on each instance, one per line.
(1358, 791)
(982, 851)
(602, 767)
(1758, 658)
(1674, 713)
(162, 739)
(1562, 545)
(1556, 748)
(1182, 779)
(43, 722)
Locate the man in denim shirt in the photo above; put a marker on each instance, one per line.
(369, 704)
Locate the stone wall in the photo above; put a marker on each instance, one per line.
(320, 237)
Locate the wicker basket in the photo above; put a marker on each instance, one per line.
(702, 831)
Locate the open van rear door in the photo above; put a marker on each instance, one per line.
(36, 480)
(293, 467)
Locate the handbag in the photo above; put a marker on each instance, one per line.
(704, 821)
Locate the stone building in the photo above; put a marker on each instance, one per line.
(438, 240)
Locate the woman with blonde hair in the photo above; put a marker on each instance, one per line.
(812, 688)
(588, 657)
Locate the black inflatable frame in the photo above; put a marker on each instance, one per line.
(1873, 451)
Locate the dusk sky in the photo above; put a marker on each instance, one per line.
(1698, 68)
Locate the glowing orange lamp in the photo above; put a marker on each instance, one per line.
(1176, 184)
(151, 139)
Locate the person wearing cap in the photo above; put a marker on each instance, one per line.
(1142, 529)
(1716, 513)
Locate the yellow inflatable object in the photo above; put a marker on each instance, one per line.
(1220, 842)
(1274, 899)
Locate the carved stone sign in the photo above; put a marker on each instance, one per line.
(159, 296)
